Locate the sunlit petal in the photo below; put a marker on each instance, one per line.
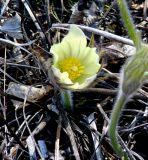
(75, 65)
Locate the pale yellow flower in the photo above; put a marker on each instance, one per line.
(74, 65)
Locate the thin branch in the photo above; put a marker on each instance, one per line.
(109, 92)
(57, 142)
(98, 32)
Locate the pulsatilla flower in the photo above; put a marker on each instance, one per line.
(74, 65)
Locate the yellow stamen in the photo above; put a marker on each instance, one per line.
(73, 66)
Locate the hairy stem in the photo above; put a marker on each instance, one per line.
(121, 101)
(128, 22)
(67, 99)
(122, 98)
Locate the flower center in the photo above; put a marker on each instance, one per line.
(73, 66)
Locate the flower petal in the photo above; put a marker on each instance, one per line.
(62, 77)
(74, 45)
(92, 68)
(86, 83)
(76, 40)
(90, 56)
(81, 79)
(90, 61)
(60, 51)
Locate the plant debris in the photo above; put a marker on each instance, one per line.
(33, 122)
